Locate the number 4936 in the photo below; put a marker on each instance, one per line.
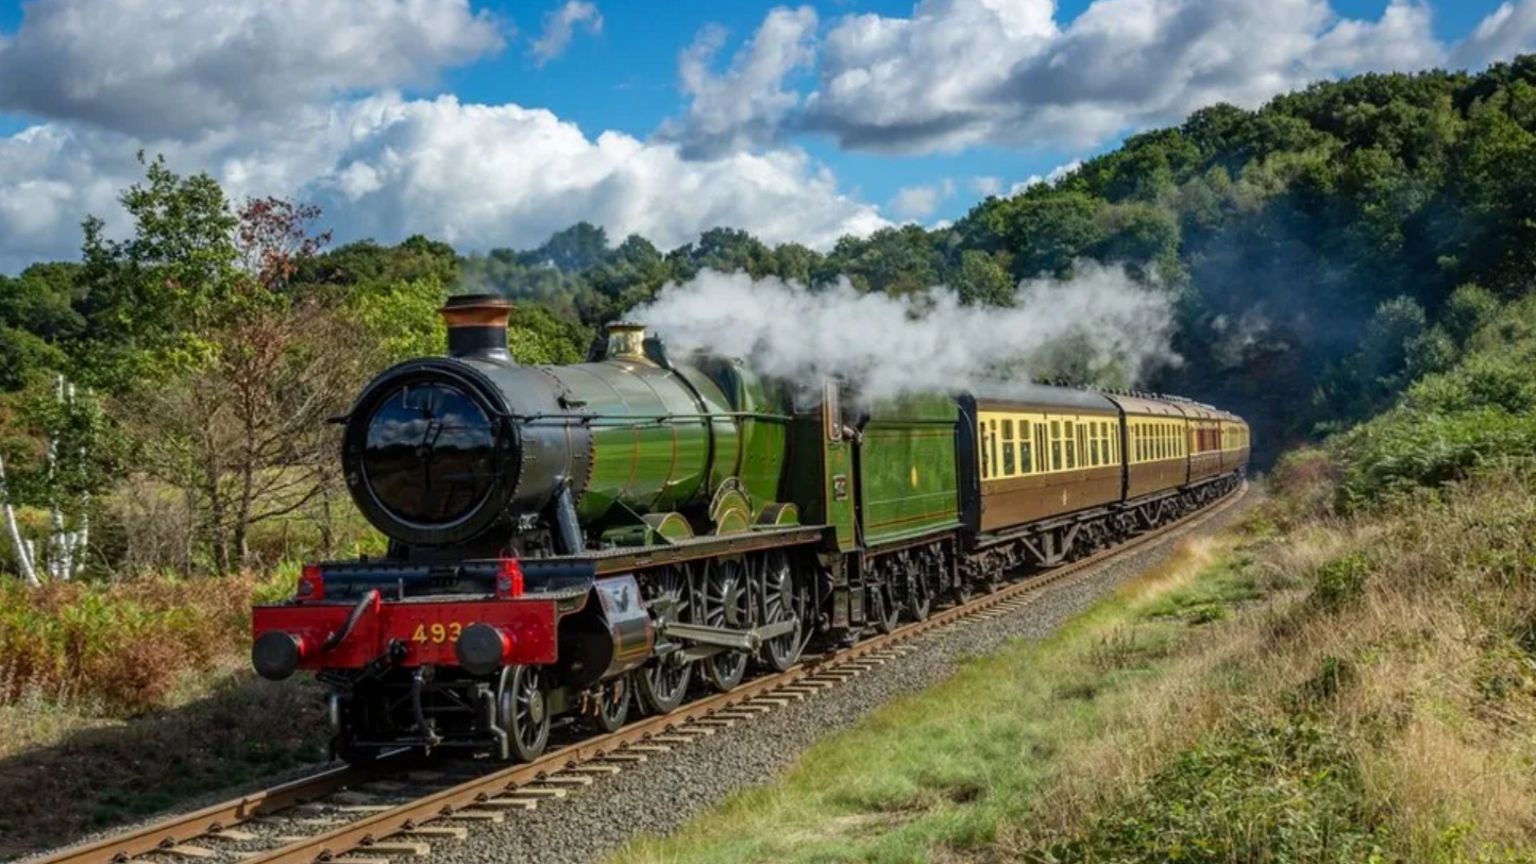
(437, 633)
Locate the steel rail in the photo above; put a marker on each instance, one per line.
(178, 830)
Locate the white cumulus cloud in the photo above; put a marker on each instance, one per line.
(560, 26)
(475, 175)
(1507, 31)
(916, 202)
(175, 68)
(746, 105)
(963, 72)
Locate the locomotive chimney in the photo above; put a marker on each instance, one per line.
(477, 326)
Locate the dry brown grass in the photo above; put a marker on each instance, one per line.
(1427, 672)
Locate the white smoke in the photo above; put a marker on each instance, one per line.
(1099, 327)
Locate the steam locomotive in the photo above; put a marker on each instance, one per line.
(567, 542)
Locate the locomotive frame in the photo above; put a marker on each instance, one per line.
(572, 541)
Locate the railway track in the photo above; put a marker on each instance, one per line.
(348, 817)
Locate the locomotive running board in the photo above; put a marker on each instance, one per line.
(722, 637)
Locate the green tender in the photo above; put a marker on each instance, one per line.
(908, 483)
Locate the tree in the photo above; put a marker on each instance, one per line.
(245, 435)
(982, 281)
(1468, 310)
(239, 425)
(576, 248)
(60, 455)
(148, 298)
(1398, 325)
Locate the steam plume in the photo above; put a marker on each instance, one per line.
(1100, 327)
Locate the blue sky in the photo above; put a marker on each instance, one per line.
(799, 123)
(626, 78)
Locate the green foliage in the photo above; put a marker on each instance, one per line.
(89, 447)
(982, 280)
(1469, 308)
(536, 335)
(1339, 582)
(400, 318)
(1279, 791)
(1448, 424)
(1405, 450)
(150, 299)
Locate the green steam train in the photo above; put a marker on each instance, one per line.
(570, 542)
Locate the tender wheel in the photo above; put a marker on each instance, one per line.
(727, 603)
(524, 711)
(920, 591)
(606, 706)
(783, 599)
(884, 610)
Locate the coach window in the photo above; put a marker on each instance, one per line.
(1041, 447)
(1055, 445)
(981, 447)
(1008, 464)
(1026, 452)
(1071, 443)
(992, 444)
(1082, 445)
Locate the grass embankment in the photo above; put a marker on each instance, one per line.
(1309, 688)
(118, 700)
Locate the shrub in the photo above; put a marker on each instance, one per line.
(1405, 449)
(125, 647)
(1280, 790)
(1339, 583)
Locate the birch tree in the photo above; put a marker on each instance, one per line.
(21, 547)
